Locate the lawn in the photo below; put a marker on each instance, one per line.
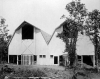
(55, 72)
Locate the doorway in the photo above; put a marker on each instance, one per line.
(61, 60)
(28, 59)
(55, 60)
(88, 60)
(13, 59)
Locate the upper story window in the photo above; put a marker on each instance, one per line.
(27, 32)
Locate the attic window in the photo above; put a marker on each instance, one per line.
(27, 32)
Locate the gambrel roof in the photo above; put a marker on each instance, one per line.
(56, 29)
(44, 34)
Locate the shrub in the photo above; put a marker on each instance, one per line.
(28, 73)
(6, 69)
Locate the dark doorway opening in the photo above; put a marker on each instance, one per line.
(13, 59)
(61, 60)
(55, 60)
(27, 31)
(35, 58)
(88, 60)
(19, 59)
(78, 57)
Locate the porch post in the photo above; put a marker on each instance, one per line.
(93, 60)
(81, 61)
(8, 58)
(58, 60)
(65, 61)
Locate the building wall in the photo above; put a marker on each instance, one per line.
(41, 48)
(15, 44)
(36, 46)
(28, 46)
(56, 46)
(19, 46)
(84, 45)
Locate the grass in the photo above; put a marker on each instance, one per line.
(46, 71)
(13, 72)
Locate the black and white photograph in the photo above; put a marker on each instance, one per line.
(49, 39)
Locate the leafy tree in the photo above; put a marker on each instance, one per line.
(3, 40)
(9, 37)
(74, 24)
(93, 30)
(69, 36)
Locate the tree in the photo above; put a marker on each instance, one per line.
(74, 24)
(93, 29)
(3, 40)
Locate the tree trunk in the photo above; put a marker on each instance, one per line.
(96, 49)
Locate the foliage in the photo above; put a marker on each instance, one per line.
(68, 35)
(11, 72)
(93, 25)
(3, 29)
(77, 10)
(93, 30)
(74, 23)
(5, 70)
(83, 21)
(3, 40)
(28, 73)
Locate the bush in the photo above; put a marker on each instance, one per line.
(2, 76)
(28, 73)
(6, 69)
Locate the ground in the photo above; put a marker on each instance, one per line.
(56, 72)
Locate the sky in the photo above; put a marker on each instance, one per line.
(44, 14)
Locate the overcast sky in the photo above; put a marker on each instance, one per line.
(44, 14)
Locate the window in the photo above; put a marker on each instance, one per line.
(44, 56)
(28, 59)
(55, 60)
(51, 56)
(79, 57)
(13, 59)
(35, 58)
(40, 56)
(19, 59)
(27, 31)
